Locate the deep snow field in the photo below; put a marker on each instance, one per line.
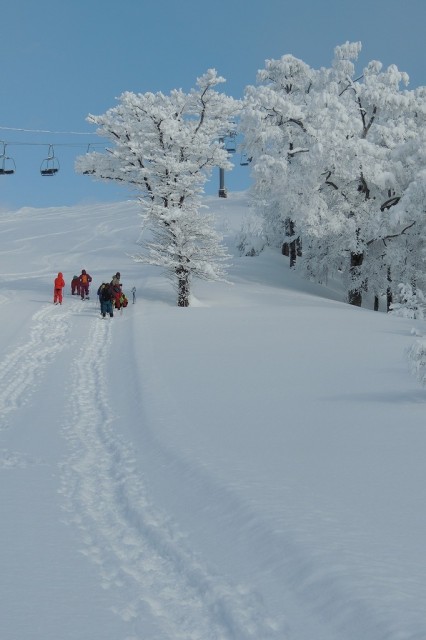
(249, 468)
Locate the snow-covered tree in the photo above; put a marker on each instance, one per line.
(409, 249)
(331, 160)
(277, 133)
(164, 147)
(411, 303)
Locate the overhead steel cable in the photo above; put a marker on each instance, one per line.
(71, 133)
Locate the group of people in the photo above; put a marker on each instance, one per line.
(110, 294)
(80, 284)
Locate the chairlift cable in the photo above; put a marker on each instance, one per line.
(71, 133)
(48, 131)
(50, 164)
(57, 144)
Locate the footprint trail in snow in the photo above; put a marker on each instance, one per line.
(22, 368)
(137, 549)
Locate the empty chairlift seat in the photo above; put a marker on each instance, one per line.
(7, 164)
(50, 165)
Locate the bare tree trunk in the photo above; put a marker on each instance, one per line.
(289, 230)
(355, 295)
(293, 253)
(183, 286)
(389, 296)
(291, 249)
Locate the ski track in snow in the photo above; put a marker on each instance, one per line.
(16, 460)
(137, 549)
(139, 552)
(21, 369)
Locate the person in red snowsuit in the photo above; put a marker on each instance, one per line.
(58, 285)
(85, 280)
(75, 286)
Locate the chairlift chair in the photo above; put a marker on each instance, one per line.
(50, 165)
(230, 145)
(244, 160)
(7, 164)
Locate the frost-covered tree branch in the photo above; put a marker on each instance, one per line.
(338, 162)
(164, 147)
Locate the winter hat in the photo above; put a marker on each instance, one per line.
(83, 271)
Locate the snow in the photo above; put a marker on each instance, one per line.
(251, 467)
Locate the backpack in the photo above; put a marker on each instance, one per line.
(106, 293)
(84, 278)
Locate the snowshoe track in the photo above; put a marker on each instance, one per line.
(138, 550)
(20, 369)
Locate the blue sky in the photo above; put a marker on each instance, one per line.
(64, 60)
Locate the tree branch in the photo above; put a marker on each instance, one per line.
(394, 235)
(390, 203)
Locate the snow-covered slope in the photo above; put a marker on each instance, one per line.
(249, 468)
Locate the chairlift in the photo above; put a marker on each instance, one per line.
(7, 164)
(230, 145)
(244, 160)
(50, 165)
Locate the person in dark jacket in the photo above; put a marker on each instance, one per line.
(106, 298)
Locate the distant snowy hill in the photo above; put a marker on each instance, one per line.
(251, 467)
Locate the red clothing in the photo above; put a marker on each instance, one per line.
(59, 284)
(85, 279)
(116, 288)
(75, 286)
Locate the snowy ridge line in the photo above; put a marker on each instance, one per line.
(138, 550)
(21, 368)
